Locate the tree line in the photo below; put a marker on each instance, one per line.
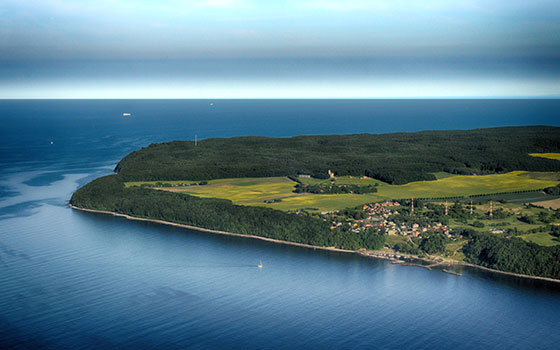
(394, 158)
(512, 254)
(334, 188)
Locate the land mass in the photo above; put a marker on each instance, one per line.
(369, 182)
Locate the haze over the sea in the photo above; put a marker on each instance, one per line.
(279, 49)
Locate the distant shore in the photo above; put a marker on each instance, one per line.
(362, 252)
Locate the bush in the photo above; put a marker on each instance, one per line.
(478, 224)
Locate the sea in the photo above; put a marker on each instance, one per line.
(75, 280)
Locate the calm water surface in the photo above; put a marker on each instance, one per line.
(78, 280)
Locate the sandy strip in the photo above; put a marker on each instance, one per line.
(365, 253)
(509, 273)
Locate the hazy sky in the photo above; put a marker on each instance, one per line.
(275, 48)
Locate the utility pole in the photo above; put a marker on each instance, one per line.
(195, 140)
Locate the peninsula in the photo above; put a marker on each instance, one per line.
(469, 197)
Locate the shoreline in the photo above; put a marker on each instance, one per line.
(362, 252)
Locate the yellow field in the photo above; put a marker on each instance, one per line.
(254, 191)
(555, 156)
(244, 190)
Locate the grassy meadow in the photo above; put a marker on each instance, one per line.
(542, 238)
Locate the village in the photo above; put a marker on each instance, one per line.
(381, 216)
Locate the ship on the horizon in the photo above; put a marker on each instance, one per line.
(127, 114)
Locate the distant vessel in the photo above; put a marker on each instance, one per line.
(126, 114)
(260, 264)
(211, 104)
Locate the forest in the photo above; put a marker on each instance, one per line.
(394, 158)
(512, 254)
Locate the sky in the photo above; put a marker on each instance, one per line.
(279, 49)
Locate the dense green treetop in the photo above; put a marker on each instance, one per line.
(512, 254)
(395, 158)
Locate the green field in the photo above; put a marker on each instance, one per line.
(555, 156)
(255, 191)
(542, 238)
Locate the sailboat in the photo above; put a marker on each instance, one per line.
(260, 264)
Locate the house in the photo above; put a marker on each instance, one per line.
(497, 231)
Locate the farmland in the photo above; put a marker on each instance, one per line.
(555, 156)
(277, 192)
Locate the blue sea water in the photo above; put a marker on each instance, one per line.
(78, 280)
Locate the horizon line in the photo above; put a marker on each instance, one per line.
(539, 97)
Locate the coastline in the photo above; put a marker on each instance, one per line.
(361, 252)
(196, 228)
